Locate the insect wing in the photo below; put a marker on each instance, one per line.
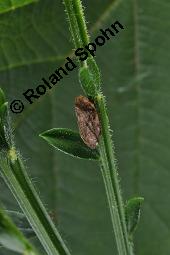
(88, 121)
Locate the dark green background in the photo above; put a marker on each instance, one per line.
(34, 41)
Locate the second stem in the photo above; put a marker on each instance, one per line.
(110, 177)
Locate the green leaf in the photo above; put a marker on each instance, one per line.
(132, 211)
(6, 136)
(69, 142)
(10, 237)
(6, 5)
(35, 40)
(21, 222)
(2, 97)
(89, 75)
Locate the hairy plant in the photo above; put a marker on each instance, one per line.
(95, 132)
(92, 145)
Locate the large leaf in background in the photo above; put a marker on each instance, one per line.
(34, 41)
(6, 6)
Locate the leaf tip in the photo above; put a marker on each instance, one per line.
(132, 211)
(48, 133)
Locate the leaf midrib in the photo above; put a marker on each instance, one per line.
(137, 68)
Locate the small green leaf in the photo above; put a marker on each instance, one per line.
(69, 142)
(2, 97)
(4, 112)
(6, 137)
(10, 237)
(90, 78)
(22, 223)
(132, 211)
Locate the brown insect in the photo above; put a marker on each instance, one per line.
(88, 121)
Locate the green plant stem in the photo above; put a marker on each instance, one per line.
(79, 14)
(15, 176)
(110, 176)
(74, 11)
(74, 27)
(108, 165)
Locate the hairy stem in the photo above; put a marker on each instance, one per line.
(110, 175)
(15, 176)
(74, 27)
(79, 14)
(108, 166)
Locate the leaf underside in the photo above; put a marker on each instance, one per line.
(34, 42)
